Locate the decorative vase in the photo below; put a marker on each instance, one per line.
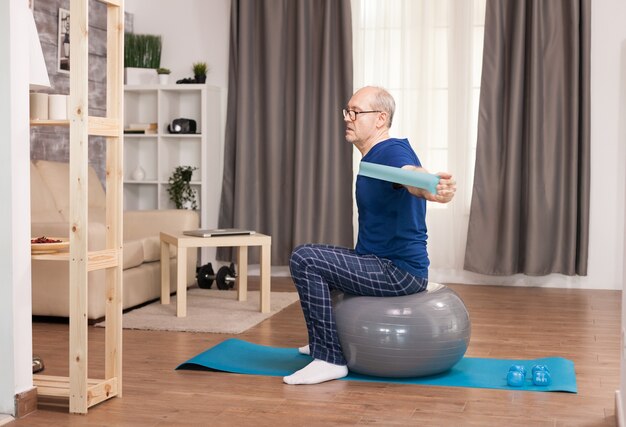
(139, 174)
(189, 204)
(200, 79)
(140, 76)
(38, 106)
(163, 78)
(57, 107)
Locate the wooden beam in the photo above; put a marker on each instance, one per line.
(98, 126)
(107, 258)
(105, 126)
(97, 260)
(49, 122)
(79, 137)
(98, 390)
(117, 3)
(114, 194)
(102, 391)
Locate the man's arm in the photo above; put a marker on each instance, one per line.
(445, 189)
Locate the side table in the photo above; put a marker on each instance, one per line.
(183, 242)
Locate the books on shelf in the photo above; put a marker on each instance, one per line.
(140, 132)
(141, 129)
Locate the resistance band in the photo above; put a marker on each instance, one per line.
(422, 180)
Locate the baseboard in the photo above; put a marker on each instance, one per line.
(6, 419)
(25, 403)
(619, 410)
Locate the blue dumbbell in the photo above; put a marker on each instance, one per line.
(515, 379)
(516, 376)
(543, 368)
(542, 378)
(519, 368)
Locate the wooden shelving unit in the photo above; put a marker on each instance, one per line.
(49, 122)
(84, 392)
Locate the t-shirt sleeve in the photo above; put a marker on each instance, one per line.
(401, 155)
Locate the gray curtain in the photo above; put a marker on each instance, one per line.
(530, 204)
(287, 167)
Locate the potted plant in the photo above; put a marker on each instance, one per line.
(180, 191)
(164, 74)
(142, 56)
(200, 69)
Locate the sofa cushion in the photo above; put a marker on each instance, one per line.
(56, 175)
(152, 249)
(133, 254)
(139, 224)
(42, 207)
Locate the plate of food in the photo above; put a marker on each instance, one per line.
(48, 245)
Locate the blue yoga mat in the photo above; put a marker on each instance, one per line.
(241, 357)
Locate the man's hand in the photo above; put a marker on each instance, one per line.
(445, 189)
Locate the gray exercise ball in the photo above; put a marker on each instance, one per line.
(400, 337)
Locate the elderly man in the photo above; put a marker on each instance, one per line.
(390, 257)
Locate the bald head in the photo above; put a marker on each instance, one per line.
(379, 99)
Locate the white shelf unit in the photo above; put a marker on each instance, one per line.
(158, 154)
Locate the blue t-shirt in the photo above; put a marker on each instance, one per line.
(392, 222)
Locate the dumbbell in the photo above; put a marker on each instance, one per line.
(225, 277)
(516, 376)
(541, 375)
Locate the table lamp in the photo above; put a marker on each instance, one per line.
(37, 73)
(38, 79)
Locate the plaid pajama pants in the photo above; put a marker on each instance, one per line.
(318, 269)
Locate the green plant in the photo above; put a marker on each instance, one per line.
(142, 50)
(200, 68)
(180, 190)
(163, 71)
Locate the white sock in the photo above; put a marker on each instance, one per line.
(317, 372)
(305, 350)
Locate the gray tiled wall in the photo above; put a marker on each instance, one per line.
(52, 143)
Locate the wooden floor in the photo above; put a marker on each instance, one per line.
(515, 323)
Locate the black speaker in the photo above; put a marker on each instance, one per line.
(182, 126)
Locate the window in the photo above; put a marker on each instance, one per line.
(428, 54)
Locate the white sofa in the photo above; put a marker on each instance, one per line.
(141, 249)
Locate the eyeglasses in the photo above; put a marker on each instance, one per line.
(351, 114)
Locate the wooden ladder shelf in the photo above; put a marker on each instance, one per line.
(82, 391)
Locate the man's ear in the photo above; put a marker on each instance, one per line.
(382, 119)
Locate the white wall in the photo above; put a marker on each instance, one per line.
(15, 279)
(606, 254)
(610, 61)
(193, 31)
